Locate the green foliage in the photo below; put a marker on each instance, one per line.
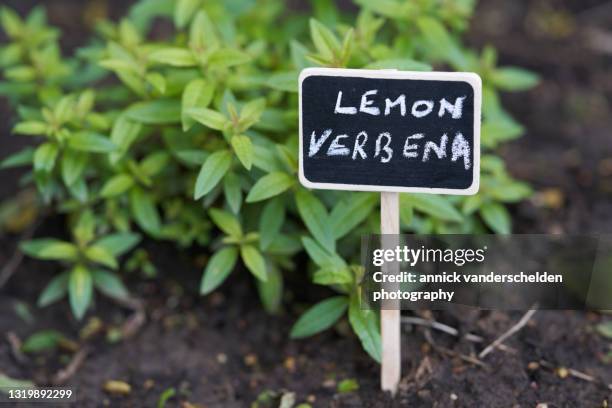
(42, 341)
(193, 139)
(348, 385)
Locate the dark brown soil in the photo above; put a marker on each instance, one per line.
(224, 351)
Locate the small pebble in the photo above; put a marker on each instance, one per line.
(221, 358)
(290, 364)
(454, 397)
(148, 384)
(562, 372)
(311, 399)
(116, 387)
(542, 405)
(532, 366)
(330, 383)
(250, 360)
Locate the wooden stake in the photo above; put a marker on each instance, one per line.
(390, 310)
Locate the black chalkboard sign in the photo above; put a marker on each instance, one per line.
(393, 131)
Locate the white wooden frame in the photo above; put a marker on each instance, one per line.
(468, 77)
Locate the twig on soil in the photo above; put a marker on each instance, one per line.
(136, 320)
(63, 375)
(453, 353)
(66, 373)
(577, 374)
(440, 327)
(517, 327)
(11, 266)
(15, 343)
(451, 331)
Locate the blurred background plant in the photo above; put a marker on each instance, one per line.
(193, 139)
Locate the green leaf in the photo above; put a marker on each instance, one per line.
(45, 156)
(388, 8)
(119, 243)
(270, 185)
(11, 22)
(73, 166)
(232, 191)
(202, 34)
(402, 64)
(324, 39)
(226, 222)
(228, 57)
(433, 205)
(243, 147)
(332, 276)
(64, 109)
(218, 269)
(91, 142)
(315, 217)
(213, 169)
(284, 81)
(439, 43)
(159, 112)
(24, 157)
(80, 288)
(348, 385)
(319, 317)
(251, 113)
(128, 34)
(349, 213)
(320, 255)
(184, 11)
(79, 190)
(605, 329)
(120, 67)
(365, 324)
(197, 94)
(271, 290)
(500, 129)
(109, 284)
(116, 185)
(165, 397)
(144, 211)
(154, 163)
(298, 55)
(42, 341)
(157, 81)
(406, 212)
(271, 221)
(514, 79)
(176, 57)
(85, 228)
(209, 118)
(31, 128)
(50, 249)
(101, 255)
(496, 217)
(471, 204)
(510, 191)
(123, 134)
(55, 290)
(254, 261)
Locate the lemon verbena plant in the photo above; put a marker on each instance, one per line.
(189, 135)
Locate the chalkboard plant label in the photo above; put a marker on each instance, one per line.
(392, 131)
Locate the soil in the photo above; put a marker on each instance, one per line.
(224, 351)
